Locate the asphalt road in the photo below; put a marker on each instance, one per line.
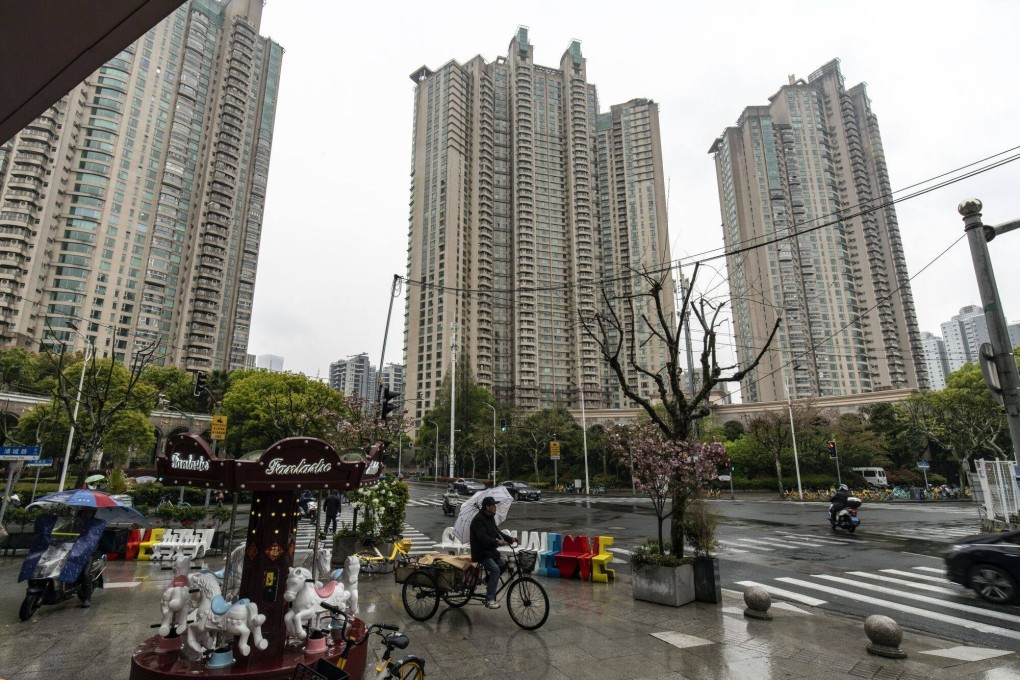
(892, 565)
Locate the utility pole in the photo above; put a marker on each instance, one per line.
(793, 435)
(999, 368)
(453, 390)
(493, 441)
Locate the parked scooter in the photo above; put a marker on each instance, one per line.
(847, 518)
(311, 512)
(62, 564)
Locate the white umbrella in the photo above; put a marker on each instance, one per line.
(470, 508)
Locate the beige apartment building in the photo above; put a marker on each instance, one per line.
(506, 241)
(805, 177)
(132, 209)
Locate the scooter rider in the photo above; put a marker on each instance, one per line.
(838, 501)
(306, 497)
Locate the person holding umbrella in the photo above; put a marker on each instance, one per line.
(486, 539)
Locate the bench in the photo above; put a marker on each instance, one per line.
(602, 557)
(572, 558)
(134, 538)
(145, 547)
(547, 558)
(451, 545)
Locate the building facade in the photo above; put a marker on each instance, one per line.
(803, 191)
(354, 376)
(132, 209)
(269, 362)
(505, 236)
(937, 359)
(964, 334)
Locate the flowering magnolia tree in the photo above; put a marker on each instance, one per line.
(666, 469)
(383, 507)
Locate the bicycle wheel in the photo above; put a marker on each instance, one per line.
(370, 562)
(411, 669)
(420, 596)
(527, 603)
(458, 598)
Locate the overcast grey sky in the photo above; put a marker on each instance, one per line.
(941, 77)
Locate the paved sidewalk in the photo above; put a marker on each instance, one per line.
(593, 631)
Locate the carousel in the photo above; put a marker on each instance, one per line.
(256, 617)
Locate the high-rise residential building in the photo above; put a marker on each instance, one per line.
(393, 380)
(132, 209)
(269, 362)
(354, 376)
(964, 334)
(937, 359)
(505, 231)
(796, 180)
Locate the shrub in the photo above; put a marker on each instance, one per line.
(383, 507)
(116, 484)
(905, 477)
(147, 494)
(652, 554)
(699, 528)
(604, 480)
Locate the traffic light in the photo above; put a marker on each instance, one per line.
(832, 448)
(199, 383)
(502, 424)
(385, 407)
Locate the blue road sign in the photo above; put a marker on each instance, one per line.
(42, 462)
(20, 452)
(923, 465)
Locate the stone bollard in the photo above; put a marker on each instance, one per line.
(885, 636)
(758, 602)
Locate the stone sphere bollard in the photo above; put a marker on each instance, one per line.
(885, 635)
(758, 602)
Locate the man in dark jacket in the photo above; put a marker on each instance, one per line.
(838, 501)
(485, 540)
(332, 505)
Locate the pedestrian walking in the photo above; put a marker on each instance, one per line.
(332, 504)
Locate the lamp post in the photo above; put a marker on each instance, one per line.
(493, 441)
(793, 435)
(77, 404)
(584, 439)
(436, 467)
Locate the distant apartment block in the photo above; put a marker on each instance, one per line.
(131, 210)
(354, 376)
(937, 359)
(523, 196)
(793, 177)
(269, 362)
(964, 334)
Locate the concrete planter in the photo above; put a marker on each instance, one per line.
(673, 586)
(343, 546)
(707, 582)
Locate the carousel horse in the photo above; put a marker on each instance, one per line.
(305, 596)
(234, 566)
(352, 567)
(215, 615)
(176, 599)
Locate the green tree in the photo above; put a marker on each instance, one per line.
(175, 384)
(129, 436)
(903, 444)
(532, 435)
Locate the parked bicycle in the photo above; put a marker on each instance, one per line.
(406, 668)
(374, 562)
(526, 599)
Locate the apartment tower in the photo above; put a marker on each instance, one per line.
(504, 248)
(804, 191)
(132, 209)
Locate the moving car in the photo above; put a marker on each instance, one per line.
(989, 564)
(522, 491)
(467, 486)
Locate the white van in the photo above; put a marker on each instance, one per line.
(874, 476)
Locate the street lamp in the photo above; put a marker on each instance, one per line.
(436, 468)
(77, 404)
(493, 441)
(793, 435)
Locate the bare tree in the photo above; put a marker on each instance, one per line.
(674, 411)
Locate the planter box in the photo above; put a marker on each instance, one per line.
(673, 586)
(343, 547)
(707, 582)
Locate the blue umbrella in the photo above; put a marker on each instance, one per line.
(107, 507)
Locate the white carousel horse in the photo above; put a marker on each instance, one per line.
(234, 567)
(215, 614)
(305, 596)
(176, 599)
(352, 567)
(321, 558)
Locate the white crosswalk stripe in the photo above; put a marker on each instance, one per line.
(420, 543)
(437, 501)
(921, 592)
(782, 540)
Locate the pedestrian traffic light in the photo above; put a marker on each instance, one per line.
(385, 407)
(502, 424)
(199, 383)
(832, 448)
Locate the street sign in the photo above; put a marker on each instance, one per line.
(724, 478)
(20, 452)
(989, 371)
(42, 462)
(218, 430)
(923, 464)
(554, 450)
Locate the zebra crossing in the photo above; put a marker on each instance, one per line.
(920, 597)
(305, 538)
(437, 500)
(942, 534)
(778, 541)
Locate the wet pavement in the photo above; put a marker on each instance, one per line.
(593, 631)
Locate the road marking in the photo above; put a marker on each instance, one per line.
(970, 609)
(788, 594)
(782, 544)
(121, 584)
(834, 541)
(922, 577)
(908, 609)
(931, 557)
(622, 551)
(902, 582)
(722, 542)
(937, 571)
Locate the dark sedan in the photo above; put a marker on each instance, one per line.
(989, 564)
(467, 486)
(521, 491)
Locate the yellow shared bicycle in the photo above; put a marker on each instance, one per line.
(374, 562)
